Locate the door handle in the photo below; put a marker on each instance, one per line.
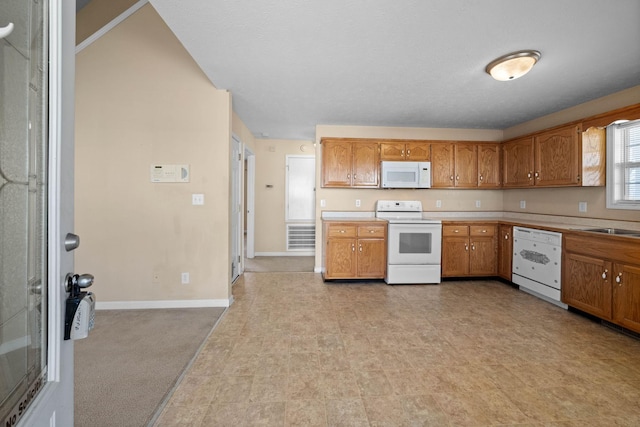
(75, 282)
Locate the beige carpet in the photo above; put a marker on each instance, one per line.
(276, 264)
(131, 361)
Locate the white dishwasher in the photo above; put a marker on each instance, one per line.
(537, 260)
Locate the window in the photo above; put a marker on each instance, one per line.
(623, 165)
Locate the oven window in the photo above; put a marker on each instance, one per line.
(415, 243)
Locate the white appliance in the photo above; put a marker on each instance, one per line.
(414, 243)
(537, 260)
(405, 174)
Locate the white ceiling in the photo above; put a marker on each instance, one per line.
(419, 63)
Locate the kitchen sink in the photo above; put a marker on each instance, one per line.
(617, 231)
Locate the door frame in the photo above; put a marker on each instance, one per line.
(249, 209)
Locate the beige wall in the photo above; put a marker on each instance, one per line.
(141, 100)
(97, 14)
(270, 222)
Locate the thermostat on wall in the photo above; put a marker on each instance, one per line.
(169, 173)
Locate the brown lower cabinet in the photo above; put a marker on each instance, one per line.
(355, 250)
(469, 249)
(601, 276)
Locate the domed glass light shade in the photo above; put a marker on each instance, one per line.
(513, 65)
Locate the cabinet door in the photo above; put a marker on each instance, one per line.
(418, 151)
(336, 163)
(341, 259)
(455, 256)
(466, 165)
(442, 165)
(489, 165)
(482, 256)
(586, 284)
(626, 296)
(517, 163)
(392, 151)
(372, 258)
(505, 251)
(366, 164)
(557, 157)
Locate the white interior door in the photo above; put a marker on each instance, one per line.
(36, 210)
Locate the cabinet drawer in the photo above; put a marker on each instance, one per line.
(371, 230)
(455, 230)
(336, 230)
(482, 230)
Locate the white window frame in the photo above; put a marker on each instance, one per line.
(616, 165)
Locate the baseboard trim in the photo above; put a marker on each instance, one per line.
(318, 270)
(139, 305)
(297, 253)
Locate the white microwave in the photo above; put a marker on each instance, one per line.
(405, 174)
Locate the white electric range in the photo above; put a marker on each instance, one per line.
(414, 243)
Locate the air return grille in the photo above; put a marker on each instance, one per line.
(301, 237)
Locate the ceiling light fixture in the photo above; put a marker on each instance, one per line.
(513, 65)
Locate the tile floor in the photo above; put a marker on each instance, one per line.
(295, 351)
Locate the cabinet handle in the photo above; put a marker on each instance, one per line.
(483, 231)
(529, 176)
(473, 246)
(348, 176)
(578, 178)
(360, 248)
(506, 236)
(353, 247)
(466, 247)
(604, 274)
(537, 175)
(451, 178)
(342, 231)
(372, 231)
(619, 279)
(354, 176)
(408, 152)
(402, 152)
(457, 177)
(456, 231)
(481, 177)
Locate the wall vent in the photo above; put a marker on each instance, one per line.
(301, 237)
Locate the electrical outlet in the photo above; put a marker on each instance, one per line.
(323, 203)
(197, 199)
(582, 206)
(185, 278)
(438, 203)
(357, 203)
(523, 204)
(478, 203)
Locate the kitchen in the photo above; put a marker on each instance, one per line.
(537, 252)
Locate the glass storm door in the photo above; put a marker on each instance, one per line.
(36, 366)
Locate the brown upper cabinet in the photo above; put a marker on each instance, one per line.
(551, 158)
(350, 163)
(416, 151)
(457, 164)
